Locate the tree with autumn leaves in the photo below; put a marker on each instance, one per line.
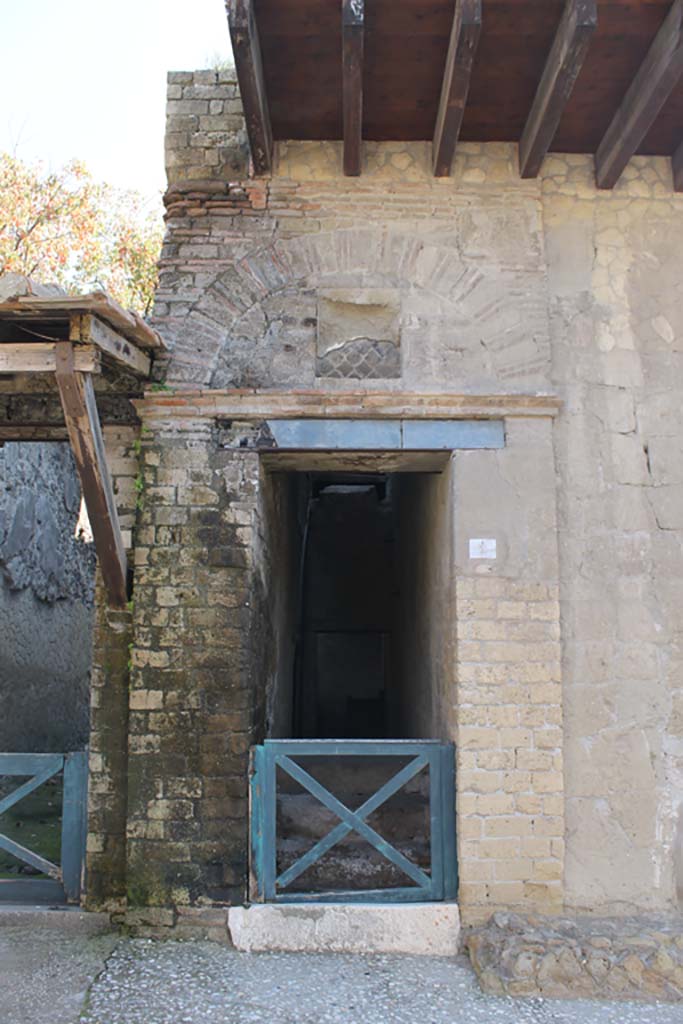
(64, 227)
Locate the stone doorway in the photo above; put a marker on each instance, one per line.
(358, 581)
(358, 602)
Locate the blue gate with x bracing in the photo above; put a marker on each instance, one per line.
(272, 881)
(40, 768)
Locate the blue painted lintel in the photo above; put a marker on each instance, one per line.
(386, 435)
(428, 435)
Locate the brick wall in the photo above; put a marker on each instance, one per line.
(109, 683)
(193, 689)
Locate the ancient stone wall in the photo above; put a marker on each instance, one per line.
(566, 708)
(194, 694)
(111, 642)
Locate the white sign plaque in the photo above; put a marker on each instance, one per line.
(483, 548)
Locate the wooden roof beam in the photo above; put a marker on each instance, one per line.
(353, 32)
(247, 52)
(652, 86)
(40, 357)
(575, 31)
(677, 162)
(90, 329)
(83, 427)
(455, 87)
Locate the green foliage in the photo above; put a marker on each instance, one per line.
(219, 62)
(139, 484)
(64, 227)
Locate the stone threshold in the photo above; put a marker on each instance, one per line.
(420, 929)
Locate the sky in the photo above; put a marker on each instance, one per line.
(85, 79)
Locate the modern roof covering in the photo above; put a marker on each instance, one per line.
(598, 74)
(39, 305)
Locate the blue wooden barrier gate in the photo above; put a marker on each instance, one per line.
(441, 881)
(41, 768)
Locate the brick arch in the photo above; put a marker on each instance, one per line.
(479, 321)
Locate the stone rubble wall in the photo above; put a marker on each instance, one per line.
(612, 958)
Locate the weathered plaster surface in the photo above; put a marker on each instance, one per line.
(47, 571)
(614, 267)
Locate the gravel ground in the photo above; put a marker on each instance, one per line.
(50, 978)
(201, 983)
(45, 973)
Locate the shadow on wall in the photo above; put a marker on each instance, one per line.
(47, 568)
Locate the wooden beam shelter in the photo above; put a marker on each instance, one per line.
(455, 87)
(566, 58)
(62, 307)
(83, 426)
(353, 33)
(658, 75)
(45, 333)
(247, 53)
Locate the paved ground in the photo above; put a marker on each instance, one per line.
(49, 978)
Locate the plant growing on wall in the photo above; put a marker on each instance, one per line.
(66, 227)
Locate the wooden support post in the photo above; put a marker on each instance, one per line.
(353, 30)
(652, 86)
(247, 52)
(462, 48)
(579, 21)
(83, 425)
(677, 163)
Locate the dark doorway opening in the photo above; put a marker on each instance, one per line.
(348, 599)
(357, 613)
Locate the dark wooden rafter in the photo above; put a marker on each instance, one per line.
(575, 31)
(247, 53)
(353, 31)
(83, 426)
(455, 87)
(652, 86)
(677, 162)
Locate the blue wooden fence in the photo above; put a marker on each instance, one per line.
(42, 767)
(439, 759)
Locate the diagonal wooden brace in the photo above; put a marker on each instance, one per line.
(353, 820)
(341, 830)
(18, 794)
(83, 425)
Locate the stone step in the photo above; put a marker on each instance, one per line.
(428, 929)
